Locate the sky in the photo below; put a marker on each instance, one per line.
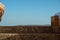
(29, 12)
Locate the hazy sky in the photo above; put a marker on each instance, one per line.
(29, 12)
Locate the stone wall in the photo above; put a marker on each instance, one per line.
(25, 29)
(34, 36)
(30, 33)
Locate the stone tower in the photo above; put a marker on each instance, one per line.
(55, 22)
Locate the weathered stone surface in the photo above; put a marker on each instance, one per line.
(25, 29)
(33, 36)
(30, 33)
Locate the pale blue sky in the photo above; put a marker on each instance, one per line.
(29, 12)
